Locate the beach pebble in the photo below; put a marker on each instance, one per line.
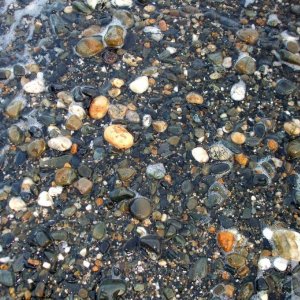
(60, 143)
(17, 204)
(119, 137)
(238, 91)
(200, 155)
(45, 200)
(139, 85)
(35, 86)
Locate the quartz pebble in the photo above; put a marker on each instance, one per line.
(45, 200)
(60, 143)
(139, 85)
(200, 155)
(35, 86)
(17, 204)
(238, 91)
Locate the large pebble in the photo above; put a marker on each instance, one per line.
(36, 148)
(60, 143)
(248, 35)
(200, 155)
(245, 64)
(17, 204)
(140, 208)
(139, 85)
(118, 136)
(114, 36)
(89, 46)
(292, 127)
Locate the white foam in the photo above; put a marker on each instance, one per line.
(33, 9)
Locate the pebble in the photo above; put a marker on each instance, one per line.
(114, 36)
(65, 176)
(89, 46)
(280, 264)
(119, 137)
(99, 107)
(238, 91)
(226, 240)
(194, 98)
(36, 148)
(17, 204)
(200, 155)
(140, 208)
(117, 111)
(35, 86)
(14, 108)
(160, 126)
(6, 278)
(60, 143)
(248, 35)
(238, 138)
(199, 269)
(220, 152)
(84, 186)
(73, 123)
(99, 231)
(245, 64)
(139, 85)
(15, 135)
(45, 200)
(293, 148)
(77, 110)
(110, 288)
(292, 127)
(156, 171)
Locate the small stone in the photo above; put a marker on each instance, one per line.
(199, 269)
(14, 108)
(194, 98)
(220, 152)
(126, 173)
(140, 208)
(17, 204)
(65, 176)
(147, 121)
(285, 87)
(236, 260)
(19, 71)
(238, 91)
(245, 64)
(114, 288)
(293, 148)
(89, 46)
(99, 231)
(139, 85)
(264, 264)
(35, 86)
(273, 20)
(4, 74)
(36, 148)
(114, 36)
(84, 186)
(280, 264)
(227, 62)
(119, 137)
(125, 17)
(226, 240)
(77, 110)
(200, 155)
(160, 126)
(73, 123)
(120, 194)
(132, 116)
(156, 171)
(15, 135)
(238, 138)
(248, 35)
(122, 3)
(60, 143)
(45, 200)
(117, 111)
(6, 278)
(99, 107)
(241, 159)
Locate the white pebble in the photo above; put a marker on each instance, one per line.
(46, 265)
(35, 86)
(26, 184)
(17, 204)
(83, 252)
(238, 91)
(92, 3)
(200, 155)
(141, 231)
(122, 3)
(86, 264)
(76, 109)
(60, 143)
(264, 264)
(147, 120)
(280, 264)
(227, 62)
(139, 85)
(45, 199)
(55, 191)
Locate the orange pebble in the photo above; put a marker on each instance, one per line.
(74, 148)
(273, 145)
(99, 201)
(226, 240)
(241, 159)
(212, 229)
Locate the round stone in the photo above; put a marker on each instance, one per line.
(73, 123)
(238, 91)
(160, 126)
(285, 87)
(99, 107)
(293, 148)
(114, 36)
(245, 65)
(89, 46)
(118, 136)
(139, 85)
(45, 200)
(194, 98)
(238, 138)
(15, 135)
(60, 143)
(140, 208)
(200, 155)
(248, 35)
(83, 185)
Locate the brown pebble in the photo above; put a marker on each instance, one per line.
(238, 138)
